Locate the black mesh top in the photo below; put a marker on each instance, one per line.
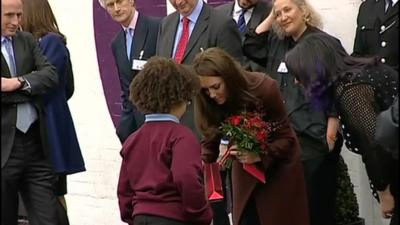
(360, 97)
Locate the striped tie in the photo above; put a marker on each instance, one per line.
(242, 22)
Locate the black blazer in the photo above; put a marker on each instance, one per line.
(377, 32)
(145, 39)
(260, 12)
(41, 75)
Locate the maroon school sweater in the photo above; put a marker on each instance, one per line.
(161, 174)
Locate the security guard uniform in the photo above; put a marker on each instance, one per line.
(378, 31)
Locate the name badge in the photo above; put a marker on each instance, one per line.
(282, 68)
(138, 64)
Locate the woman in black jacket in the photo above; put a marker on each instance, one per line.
(360, 88)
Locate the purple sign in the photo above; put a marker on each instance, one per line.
(104, 31)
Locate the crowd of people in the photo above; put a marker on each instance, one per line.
(183, 75)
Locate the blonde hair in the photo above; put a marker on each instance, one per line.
(312, 18)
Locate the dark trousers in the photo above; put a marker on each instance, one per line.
(29, 173)
(155, 220)
(320, 173)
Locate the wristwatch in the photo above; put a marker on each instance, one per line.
(22, 81)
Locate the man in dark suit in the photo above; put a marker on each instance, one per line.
(377, 31)
(248, 14)
(254, 12)
(131, 47)
(25, 159)
(206, 28)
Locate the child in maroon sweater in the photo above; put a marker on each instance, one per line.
(161, 173)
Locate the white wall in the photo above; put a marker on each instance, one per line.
(91, 195)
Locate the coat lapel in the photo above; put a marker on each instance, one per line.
(139, 37)
(200, 26)
(121, 47)
(5, 71)
(391, 13)
(171, 30)
(18, 53)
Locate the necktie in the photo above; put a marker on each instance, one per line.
(26, 113)
(242, 22)
(8, 46)
(183, 41)
(129, 39)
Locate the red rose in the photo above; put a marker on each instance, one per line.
(261, 136)
(255, 122)
(235, 120)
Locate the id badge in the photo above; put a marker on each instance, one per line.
(138, 64)
(282, 68)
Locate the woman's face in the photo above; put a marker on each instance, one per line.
(289, 17)
(215, 88)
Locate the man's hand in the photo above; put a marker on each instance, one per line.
(10, 84)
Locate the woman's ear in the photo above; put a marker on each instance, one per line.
(306, 13)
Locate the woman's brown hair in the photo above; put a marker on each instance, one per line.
(208, 114)
(38, 19)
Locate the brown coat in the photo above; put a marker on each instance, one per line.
(282, 200)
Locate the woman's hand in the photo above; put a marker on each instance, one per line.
(331, 132)
(244, 157)
(266, 25)
(386, 202)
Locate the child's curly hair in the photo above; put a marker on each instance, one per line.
(162, 84)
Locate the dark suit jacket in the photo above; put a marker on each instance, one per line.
(260, 12)
(33, 66)
(145, 39)
(212, 29)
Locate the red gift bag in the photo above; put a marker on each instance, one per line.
(213, 182)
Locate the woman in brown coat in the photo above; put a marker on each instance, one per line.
(227, 90)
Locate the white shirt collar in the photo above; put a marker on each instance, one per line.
(237, 10)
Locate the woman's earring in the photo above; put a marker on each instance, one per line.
(307, 19)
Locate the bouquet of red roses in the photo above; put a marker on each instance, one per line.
(249, 132)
